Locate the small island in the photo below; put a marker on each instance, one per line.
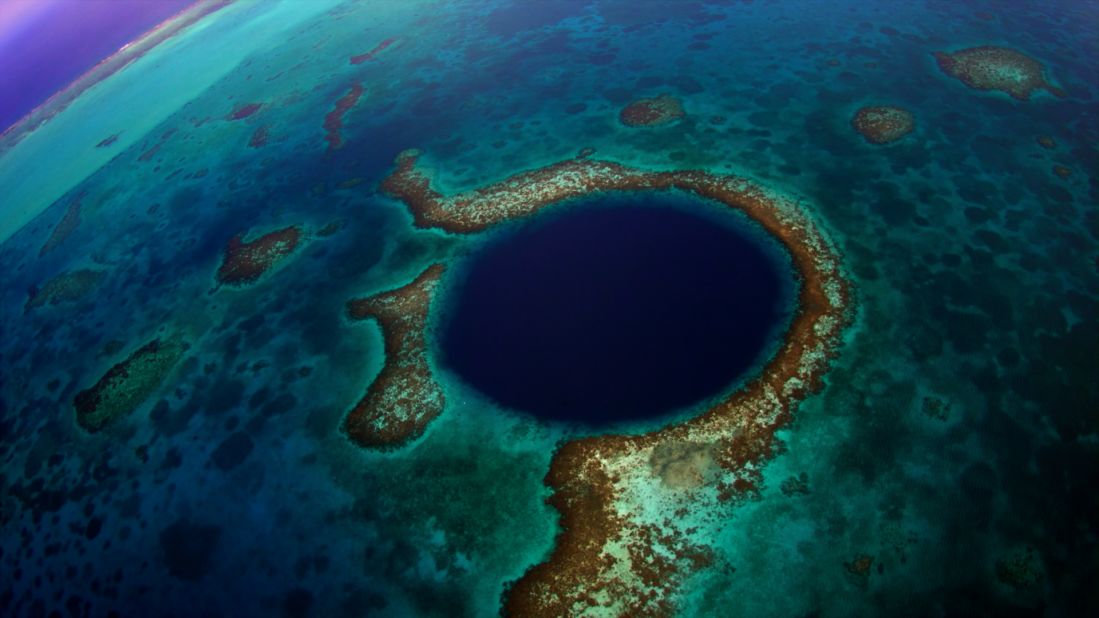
(997, 68)
(883, 124)
(245, 262)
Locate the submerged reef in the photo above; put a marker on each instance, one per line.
(404, 397)
(333, 121)
(259, 137)
(127, 384)
(997, 68)
(107, 141)
(660, 110)
(243, 111)
(66, 287)
(632, 506)
(372, 54)
(64, 227)
(883, 124)
(245, 262)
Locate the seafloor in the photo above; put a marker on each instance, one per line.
(948, 467)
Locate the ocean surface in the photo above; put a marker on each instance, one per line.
(947, 467)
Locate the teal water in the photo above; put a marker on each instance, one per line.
(956, 432)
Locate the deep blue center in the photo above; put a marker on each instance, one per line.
(621, 308)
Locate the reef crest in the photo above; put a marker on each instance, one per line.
(632, 506)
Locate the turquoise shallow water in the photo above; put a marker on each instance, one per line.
(954, 443)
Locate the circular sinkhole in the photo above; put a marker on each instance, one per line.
(619, 307)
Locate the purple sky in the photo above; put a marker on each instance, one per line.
(45, 44)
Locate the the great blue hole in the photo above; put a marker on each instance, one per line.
(618, 308)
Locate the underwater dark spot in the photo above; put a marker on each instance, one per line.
(951, 260)
(189, 548)
(992, 240)
(279, 405)
(979, 215)
(249, 325)
(618, 95)
(360, 601)
(521, 16)
(167, 421)
(686, 84)
(95, 525)
(259, 397)
(172, 459)
(978, 484)
(297, 603)
(232, 451)
(224, 395)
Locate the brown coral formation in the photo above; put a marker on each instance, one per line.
(660, 110)
(333, 121)
(883, 124)
(66, 287)
(631, 506)
(127, 384)
(245, 262)
(243, 111)
(404, 397)
(372, 54)
(997, 68)
(1046, 142)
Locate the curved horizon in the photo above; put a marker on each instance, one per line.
(46, 46)
(30, 188)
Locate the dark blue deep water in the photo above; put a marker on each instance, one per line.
(620, 308)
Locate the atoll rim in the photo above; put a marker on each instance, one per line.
(624, 556)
